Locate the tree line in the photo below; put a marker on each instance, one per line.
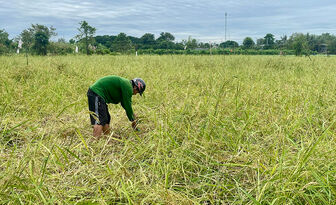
(36, 40)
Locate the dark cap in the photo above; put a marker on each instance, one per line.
(140, 84)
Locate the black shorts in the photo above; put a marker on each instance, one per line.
(99, 114)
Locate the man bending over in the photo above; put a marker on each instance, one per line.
(112, 89)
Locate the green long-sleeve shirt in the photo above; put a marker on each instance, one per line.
(115, 89)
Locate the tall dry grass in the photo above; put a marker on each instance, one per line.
(214, 130)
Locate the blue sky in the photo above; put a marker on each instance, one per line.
(203, 20)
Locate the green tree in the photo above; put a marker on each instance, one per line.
(203, 45)
(269, 41)
(312, 42)
(166, 45)
(332, 47)
(37, 38)
(147, 41)
(41, 42)
(165, 36)
(248, 42)
(229, 44)
(44, 29)
(282, 43)
(27, 38)
(300, 44)
(191, 43)
(61, 40)
(4, 37)
(179, 46)
(327, 41)
(4, 42)
(105, 40)
(260, 42)
(121, 43)
(86, 33)
(135, 42)
(165, 41)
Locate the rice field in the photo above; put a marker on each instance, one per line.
(213, 130)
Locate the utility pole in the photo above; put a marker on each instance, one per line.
(225, 24)
(210, 49)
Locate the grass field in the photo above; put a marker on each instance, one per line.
(214, 130)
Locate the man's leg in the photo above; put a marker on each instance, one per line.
(93, 101)
(97, 130)
(106, 129)
(99, 114)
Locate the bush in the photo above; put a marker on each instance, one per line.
(60, 48)
(216, 51)
(103, 51)
(3, 49)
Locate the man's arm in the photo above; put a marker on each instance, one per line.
(135, 123)
(126, 103)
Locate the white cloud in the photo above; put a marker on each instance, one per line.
(202, 19)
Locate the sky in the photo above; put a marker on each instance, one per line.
(203, 20)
